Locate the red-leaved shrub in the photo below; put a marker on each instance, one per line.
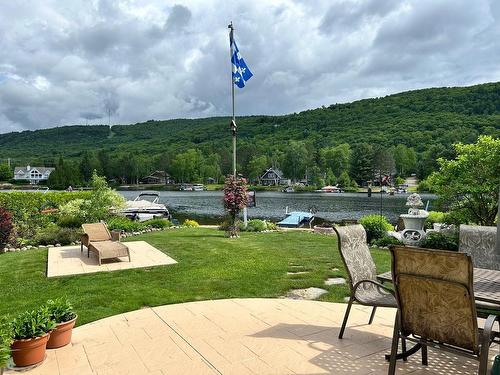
(5, 226)
(235, 199)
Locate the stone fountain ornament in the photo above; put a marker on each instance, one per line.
(414, 220)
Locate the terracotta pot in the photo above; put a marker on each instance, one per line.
(29, 352)
(61, 335)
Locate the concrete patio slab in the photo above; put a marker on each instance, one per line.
(241, 336)
(69, 260)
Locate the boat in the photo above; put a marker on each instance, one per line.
(146, 206)
(296, 219)
(330, 189)
(192, 187)
(288, 189)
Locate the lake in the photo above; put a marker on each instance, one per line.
(206, 206)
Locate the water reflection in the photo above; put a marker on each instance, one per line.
(271, 205)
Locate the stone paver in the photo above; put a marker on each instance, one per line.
(307, 293)
(240, 336)
(69, 260)
(335, 281)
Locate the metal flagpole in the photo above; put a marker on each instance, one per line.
(233, 121)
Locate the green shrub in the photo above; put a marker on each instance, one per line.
(158, 223)
(70, 222)
(435, 217)
(271, 225)
(5, 341)
(376, 226)
(31, 324)
(256, 225)
(386, 241)
(56, 235)
(60, 310)
(441, 241)
(123, 223)
(191, 223)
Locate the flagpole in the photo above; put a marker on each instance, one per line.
(233, 122)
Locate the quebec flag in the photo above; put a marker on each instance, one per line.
(241, 73)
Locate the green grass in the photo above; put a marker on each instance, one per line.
(210, 266)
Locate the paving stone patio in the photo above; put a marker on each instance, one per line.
(240, 336)
(69, 260)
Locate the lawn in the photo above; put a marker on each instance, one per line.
(210, 266)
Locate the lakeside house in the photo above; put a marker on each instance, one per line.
(158, 177)
(32, 174)
(273, 177)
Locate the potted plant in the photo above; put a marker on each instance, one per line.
(62, 313)
(30, 333)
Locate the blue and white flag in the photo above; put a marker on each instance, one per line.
(241, 73)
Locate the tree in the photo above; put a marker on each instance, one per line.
(405, 159)
(256, 167)
(5, 172)
(295, 161)
(336, 158)
(361, 162)
(383, 162)
(468, 184)
(344, 180)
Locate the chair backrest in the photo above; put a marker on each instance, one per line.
(479, 242)
(355, 253)
(435, 296)
(97, 232)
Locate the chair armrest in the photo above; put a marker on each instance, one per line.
(85, 239)
(115, 235)
(376, 283)
(488, 333)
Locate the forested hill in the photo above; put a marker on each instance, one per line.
(428, 120)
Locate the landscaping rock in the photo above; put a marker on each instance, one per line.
(346, 299)
(41, 246)
(307, 294)
(335, 269)
(58, 245)
(335, 281)
(24, 248)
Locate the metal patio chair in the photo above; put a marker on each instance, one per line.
(361, 272)
(436, 307)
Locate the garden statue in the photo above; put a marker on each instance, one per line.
(414, 220)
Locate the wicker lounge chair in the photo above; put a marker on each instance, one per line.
(361, 271)
(104, 244)
(436, 308)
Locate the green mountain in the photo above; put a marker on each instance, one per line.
(429, 121)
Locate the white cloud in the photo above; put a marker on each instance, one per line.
(68, 62)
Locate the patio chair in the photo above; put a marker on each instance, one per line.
(479, 242)
(361, 272)
(104, 244)
(436, 307)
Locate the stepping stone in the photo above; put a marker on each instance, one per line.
(297, 272)
(335, 281)
(308, 293)
(335, 269)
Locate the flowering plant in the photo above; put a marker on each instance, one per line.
(235, 199)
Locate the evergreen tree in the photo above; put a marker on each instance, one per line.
(361, 163)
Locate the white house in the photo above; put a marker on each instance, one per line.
(32, 174)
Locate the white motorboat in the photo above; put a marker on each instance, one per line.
(146, 206)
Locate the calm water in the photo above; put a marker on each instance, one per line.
(271, 205)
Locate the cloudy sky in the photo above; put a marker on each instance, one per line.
(76, 61)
